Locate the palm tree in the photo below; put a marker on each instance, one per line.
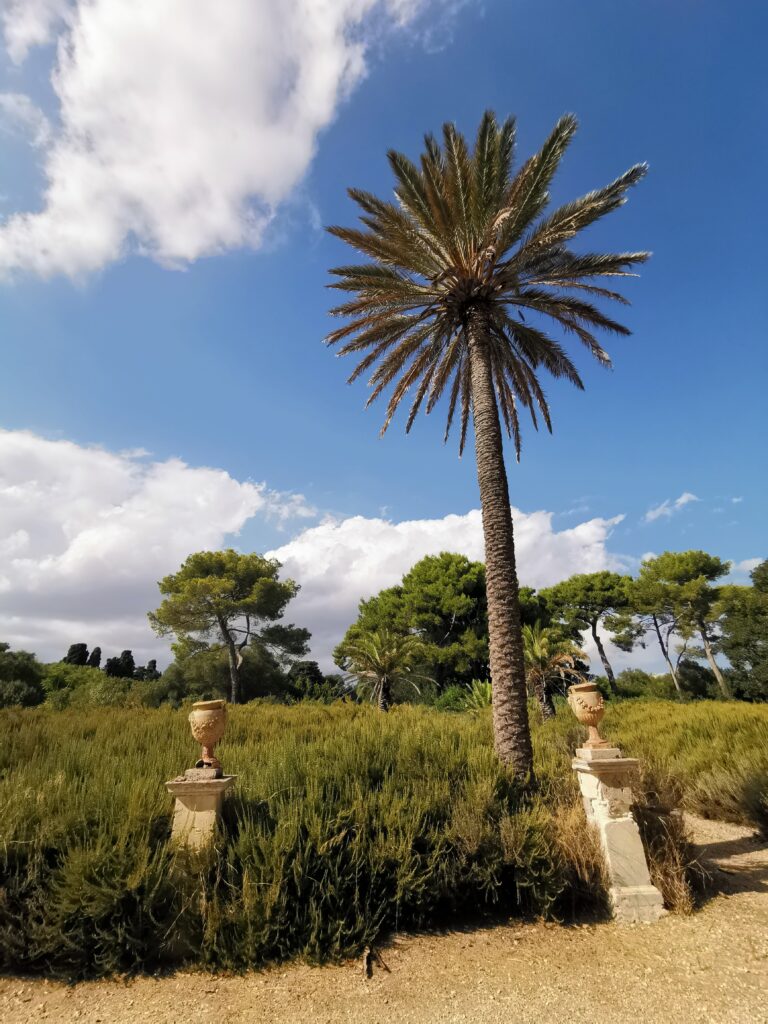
(464, 275)
(380, 659)
(549, 657)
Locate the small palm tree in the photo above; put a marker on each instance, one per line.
(464, 274)
(480, 695)
(549, 658)
(380, 659)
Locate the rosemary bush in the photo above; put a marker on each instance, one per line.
(345, 824)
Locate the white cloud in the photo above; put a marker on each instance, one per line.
(668, 508)
(745, 567)
(340, 562)
(737, 501)
(20, 116)
(183, 126)
(86, 533)
(28, 23)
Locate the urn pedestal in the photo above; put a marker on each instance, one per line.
(198, 808)
(200, 791)
(606, 780)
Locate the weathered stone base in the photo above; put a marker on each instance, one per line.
(636, 904)
(197, 809)
(605, 780)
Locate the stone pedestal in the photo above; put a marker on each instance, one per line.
(199, 796)
(605, 780)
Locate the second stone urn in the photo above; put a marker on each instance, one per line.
(588, 705)
(208, 719)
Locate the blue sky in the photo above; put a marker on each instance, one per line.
(219, 360)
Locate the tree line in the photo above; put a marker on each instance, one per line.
(425, 639)
(676, 602)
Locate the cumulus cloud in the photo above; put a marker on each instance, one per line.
(85, 534)
(338, 562)
(29, 23)
(183, 126)
(745, 567)
(668, 508)
(20, 116)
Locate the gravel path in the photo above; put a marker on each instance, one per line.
(710, 968)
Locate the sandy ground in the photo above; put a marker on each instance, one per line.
(710, 968)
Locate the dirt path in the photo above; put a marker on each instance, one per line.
(711, 968)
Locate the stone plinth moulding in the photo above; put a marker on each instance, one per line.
(198, 806)
(605, 779)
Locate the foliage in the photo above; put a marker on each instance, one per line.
(634, 683)
(743, 620)
(714, 753)
(76, 655)
(383, 663)
(205, 676)
(480, 695)
(61, 675)
(673, 595)
(442, 601)
(19, 665)
(227, 600)
(307, 682)
(344, 825)
(453, 698)
(17, 693)
(550, 661)
(122, 667)
(20, 678)
(94, 659)
(464, 236)
(148, 672)
(585, 600)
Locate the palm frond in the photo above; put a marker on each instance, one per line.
(467, 238)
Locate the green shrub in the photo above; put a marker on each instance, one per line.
(60, 675)
(480, 695)
(18, 693)
(634, 682)
(453, 698)
(345, 823)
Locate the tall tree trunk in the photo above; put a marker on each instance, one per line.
(512, 736)
(234, 673)
(544, 697)
(604, 659)
(235, 661)
(665, 652)
(385, 694)
(724, 688)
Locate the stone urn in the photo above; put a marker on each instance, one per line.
(208, 720)
(588, 705)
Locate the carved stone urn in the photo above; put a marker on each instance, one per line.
(588, 705)
(208, 719)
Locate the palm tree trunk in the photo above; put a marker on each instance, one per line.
(724, 688)
(604, 658)
(544, 697)
(385, 694)
(512, 736)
